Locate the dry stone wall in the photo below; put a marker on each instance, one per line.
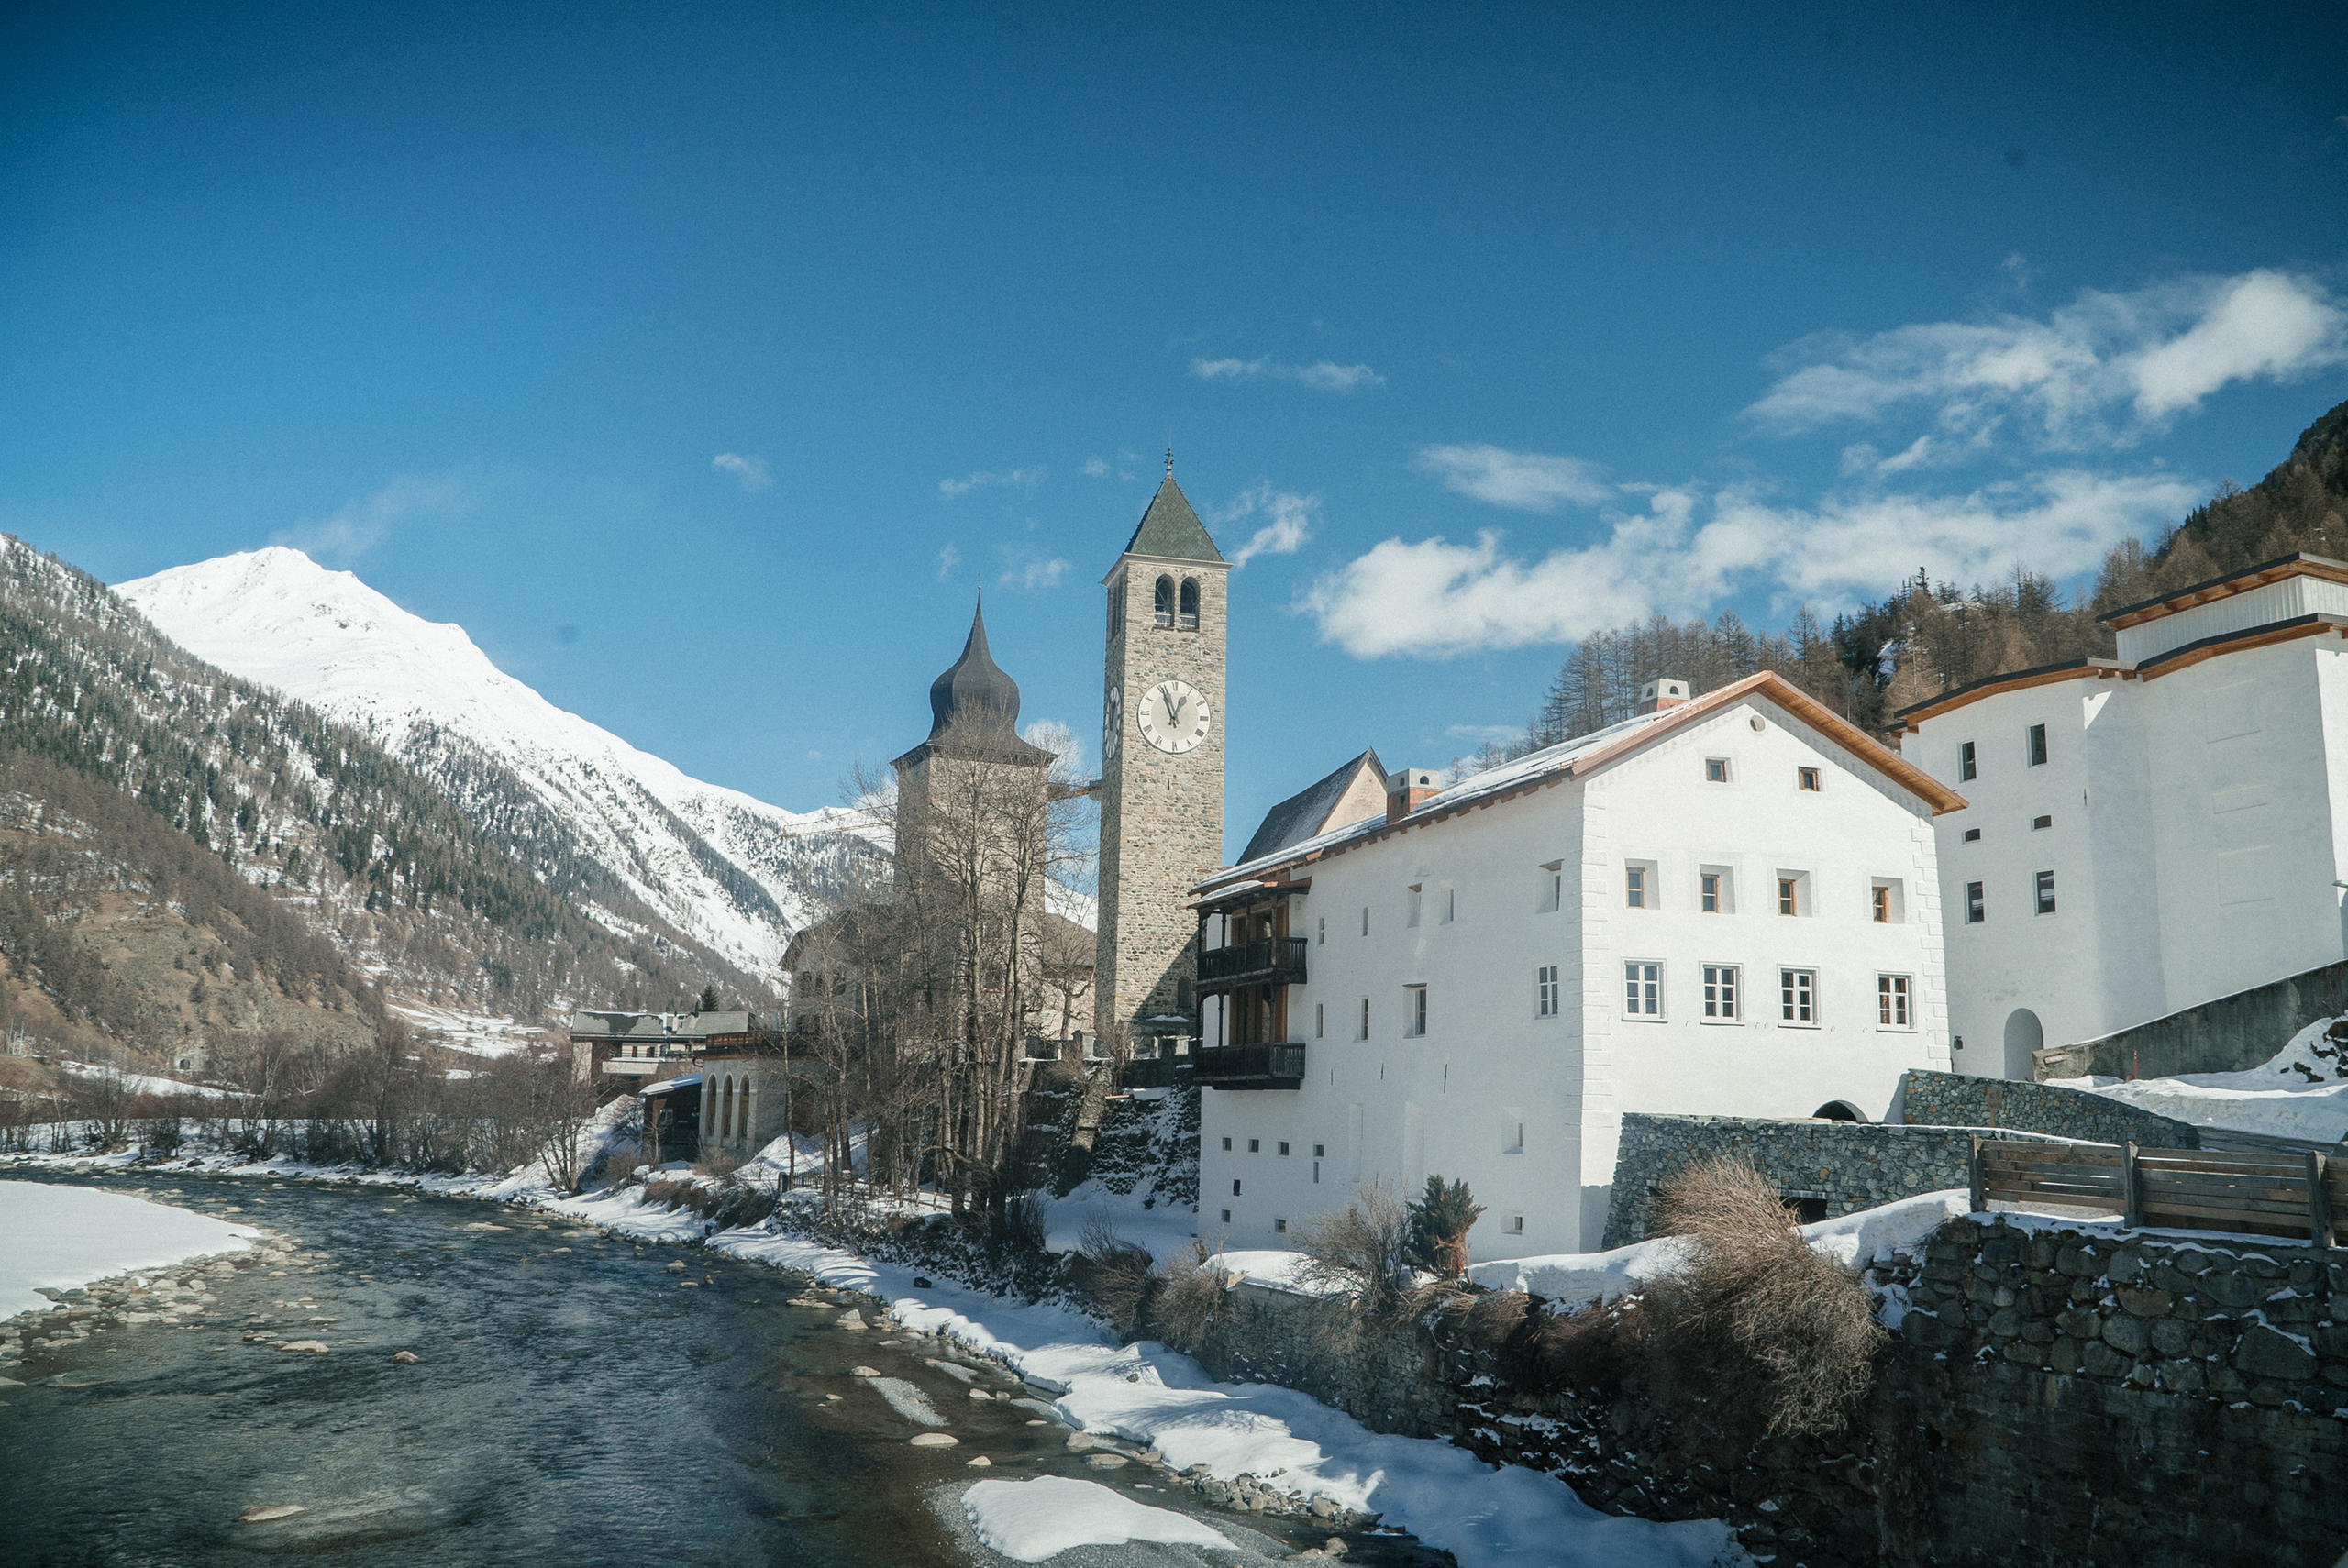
(1955, 1099)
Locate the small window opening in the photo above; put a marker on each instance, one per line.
(1806, 778)
(2046, 892)
(2038, 822)
(1189, 614)
(1972, 835)
(1163, 604)
(1965, 767)
(1716, 770)
(1255, 1145)
(1974, 914)
(1283, 1149)
(2038, 746)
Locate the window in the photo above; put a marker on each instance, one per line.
(1226, 1216)
(1720, 992)
(1643, 990)
(1117, 608)
(2038, 746)
(1716, 770)
(1255, 1145)
(1365, 920)
(1320, 933)
(1544, 991)
(1882, 913)
(1891, 1001)
(1793, 892)
(1450, 905)
(1973, 911)
(1972, 835)
(1164, 602)
(1283, 1148)
(1410, 907)
(1553, 896)
(1715, 890)
(1414, 1010)
(1516, 1224)
(1234, 1186)
(1887, 901)
(1280, 1227)
(1806, 778)
(1796, 996)
(1318, 1151)
(1189, 615)
(1363, 1033)
(2038, 822)
(1319, 1018)
(1965, 767)
(1226, 1145)
(1511, 1132)
(2046, 892)
(1635, 886)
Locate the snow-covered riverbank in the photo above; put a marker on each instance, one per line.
(1145, 1393)
(62, 1238)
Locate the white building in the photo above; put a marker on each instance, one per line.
(1727, 905)
(2151, 832)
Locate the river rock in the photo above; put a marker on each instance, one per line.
(981, 1394)
(1107, 1461)
(935, 1440)
(261, 1513)
(10, 1383)
(864, 1372)
(487, 1225)
(73, 1380)
(406, 1357)
(981, 1463)
(1078, 1441)
(304, 1347)
(677, 1267)
(852, 1320)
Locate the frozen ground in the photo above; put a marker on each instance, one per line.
(475, 1033)
(143, 1083)
(1030, 1521)
(59, 1238)
(2301, 1093)
(1872, 1235)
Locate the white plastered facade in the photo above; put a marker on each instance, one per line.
(1524, 1108)
(2195, 828)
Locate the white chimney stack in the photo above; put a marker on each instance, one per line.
(1657, 695)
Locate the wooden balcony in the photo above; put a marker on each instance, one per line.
(1271, 1066)
(1277, 962)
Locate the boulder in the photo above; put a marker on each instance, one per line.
(406, 1357)
(261, 1513)
(304, 1347)
(933, 1439)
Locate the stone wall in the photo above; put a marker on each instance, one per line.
(1825, 1168)
(2222, 1036)
(1955, 1099)
(2052, 1394)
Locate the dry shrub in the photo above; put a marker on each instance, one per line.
(1596, 1347)
(1492, 1319)
(717, 1163)
(1782, 1334)
(1363, 1250)
(1185, 1295)
(1114, 1274)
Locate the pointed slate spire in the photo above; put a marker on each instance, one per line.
(974, 693)
(1169, 528)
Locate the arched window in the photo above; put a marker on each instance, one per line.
(1189, 622)
(1117, 608)
(748, 1127)
(725, 1111)
(1165, 601)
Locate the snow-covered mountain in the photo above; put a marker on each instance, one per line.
(723, 867)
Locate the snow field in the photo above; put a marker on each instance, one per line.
(1030, 1521)
(2276, 1098)
(61, 1238)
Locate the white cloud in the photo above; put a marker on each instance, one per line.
(1015, 479)
(1095, 468)
(358, 526)
(1529, 481)
(750, 471)
(1034, 574)
(2100, 371)
(814, 755)
(1325, 374)
(1060, 741)
(1290, 521)
(949, 558)
(1686, 553)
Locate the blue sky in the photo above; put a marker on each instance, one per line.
(703, 361)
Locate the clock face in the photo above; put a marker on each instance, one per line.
(1113, 724)
(1174, 716)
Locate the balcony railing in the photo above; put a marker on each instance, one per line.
(1274, 1066)
(1277, 962)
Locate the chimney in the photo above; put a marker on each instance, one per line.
(1406, 792)
(1657, 695)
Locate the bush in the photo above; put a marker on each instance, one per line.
(1440, 1221)
(1114, 1276)
(1184, 1295)
(1363, 1250)
(1775, 1333)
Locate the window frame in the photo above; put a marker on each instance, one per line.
(1548, 993)
(1638, 884)
(1717, 770)
(1796, 989)
(2042, 892)
(1721, 990)
(1655, 996)
(2034, 747)
(1969, 762)
(1414, 1010)
(1895, 993)
(1976, 906)
(1809, 780)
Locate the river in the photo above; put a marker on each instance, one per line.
(575, 1402)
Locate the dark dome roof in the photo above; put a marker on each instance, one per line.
(975, 695)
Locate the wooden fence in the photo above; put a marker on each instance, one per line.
(2179, 1189)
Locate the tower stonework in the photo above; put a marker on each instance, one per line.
(1161, 763)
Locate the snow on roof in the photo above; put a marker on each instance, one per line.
(683, 1080)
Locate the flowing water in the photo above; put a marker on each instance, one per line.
(574, 1403)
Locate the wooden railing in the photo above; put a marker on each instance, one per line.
(1277, 961)
(2294, 1196)
(1275, 1066)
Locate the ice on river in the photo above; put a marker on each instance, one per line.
(57, 1238)
(908, 1401)
(1030, 1521)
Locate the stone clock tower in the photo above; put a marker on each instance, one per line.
(1161, 765)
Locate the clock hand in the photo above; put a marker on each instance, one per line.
(1174, 707)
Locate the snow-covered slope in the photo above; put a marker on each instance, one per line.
(727, 869)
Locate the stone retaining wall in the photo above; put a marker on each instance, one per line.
(2226, 1035)
(1829, 1168)
(1954, 1100)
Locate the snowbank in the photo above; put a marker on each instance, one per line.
(1871, 1235)
(58, 1237)
(144, 1083)
(2300, 1093)
(1484, 1515)
(1030, 1520)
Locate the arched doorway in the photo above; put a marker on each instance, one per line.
(2024, 1035)
(1838, 1111)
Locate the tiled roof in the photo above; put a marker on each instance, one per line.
(1171, 528)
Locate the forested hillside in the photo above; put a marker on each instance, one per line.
(152, 809)
(1929, 637)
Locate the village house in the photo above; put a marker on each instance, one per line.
(1723, 906)
(2147, 833)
